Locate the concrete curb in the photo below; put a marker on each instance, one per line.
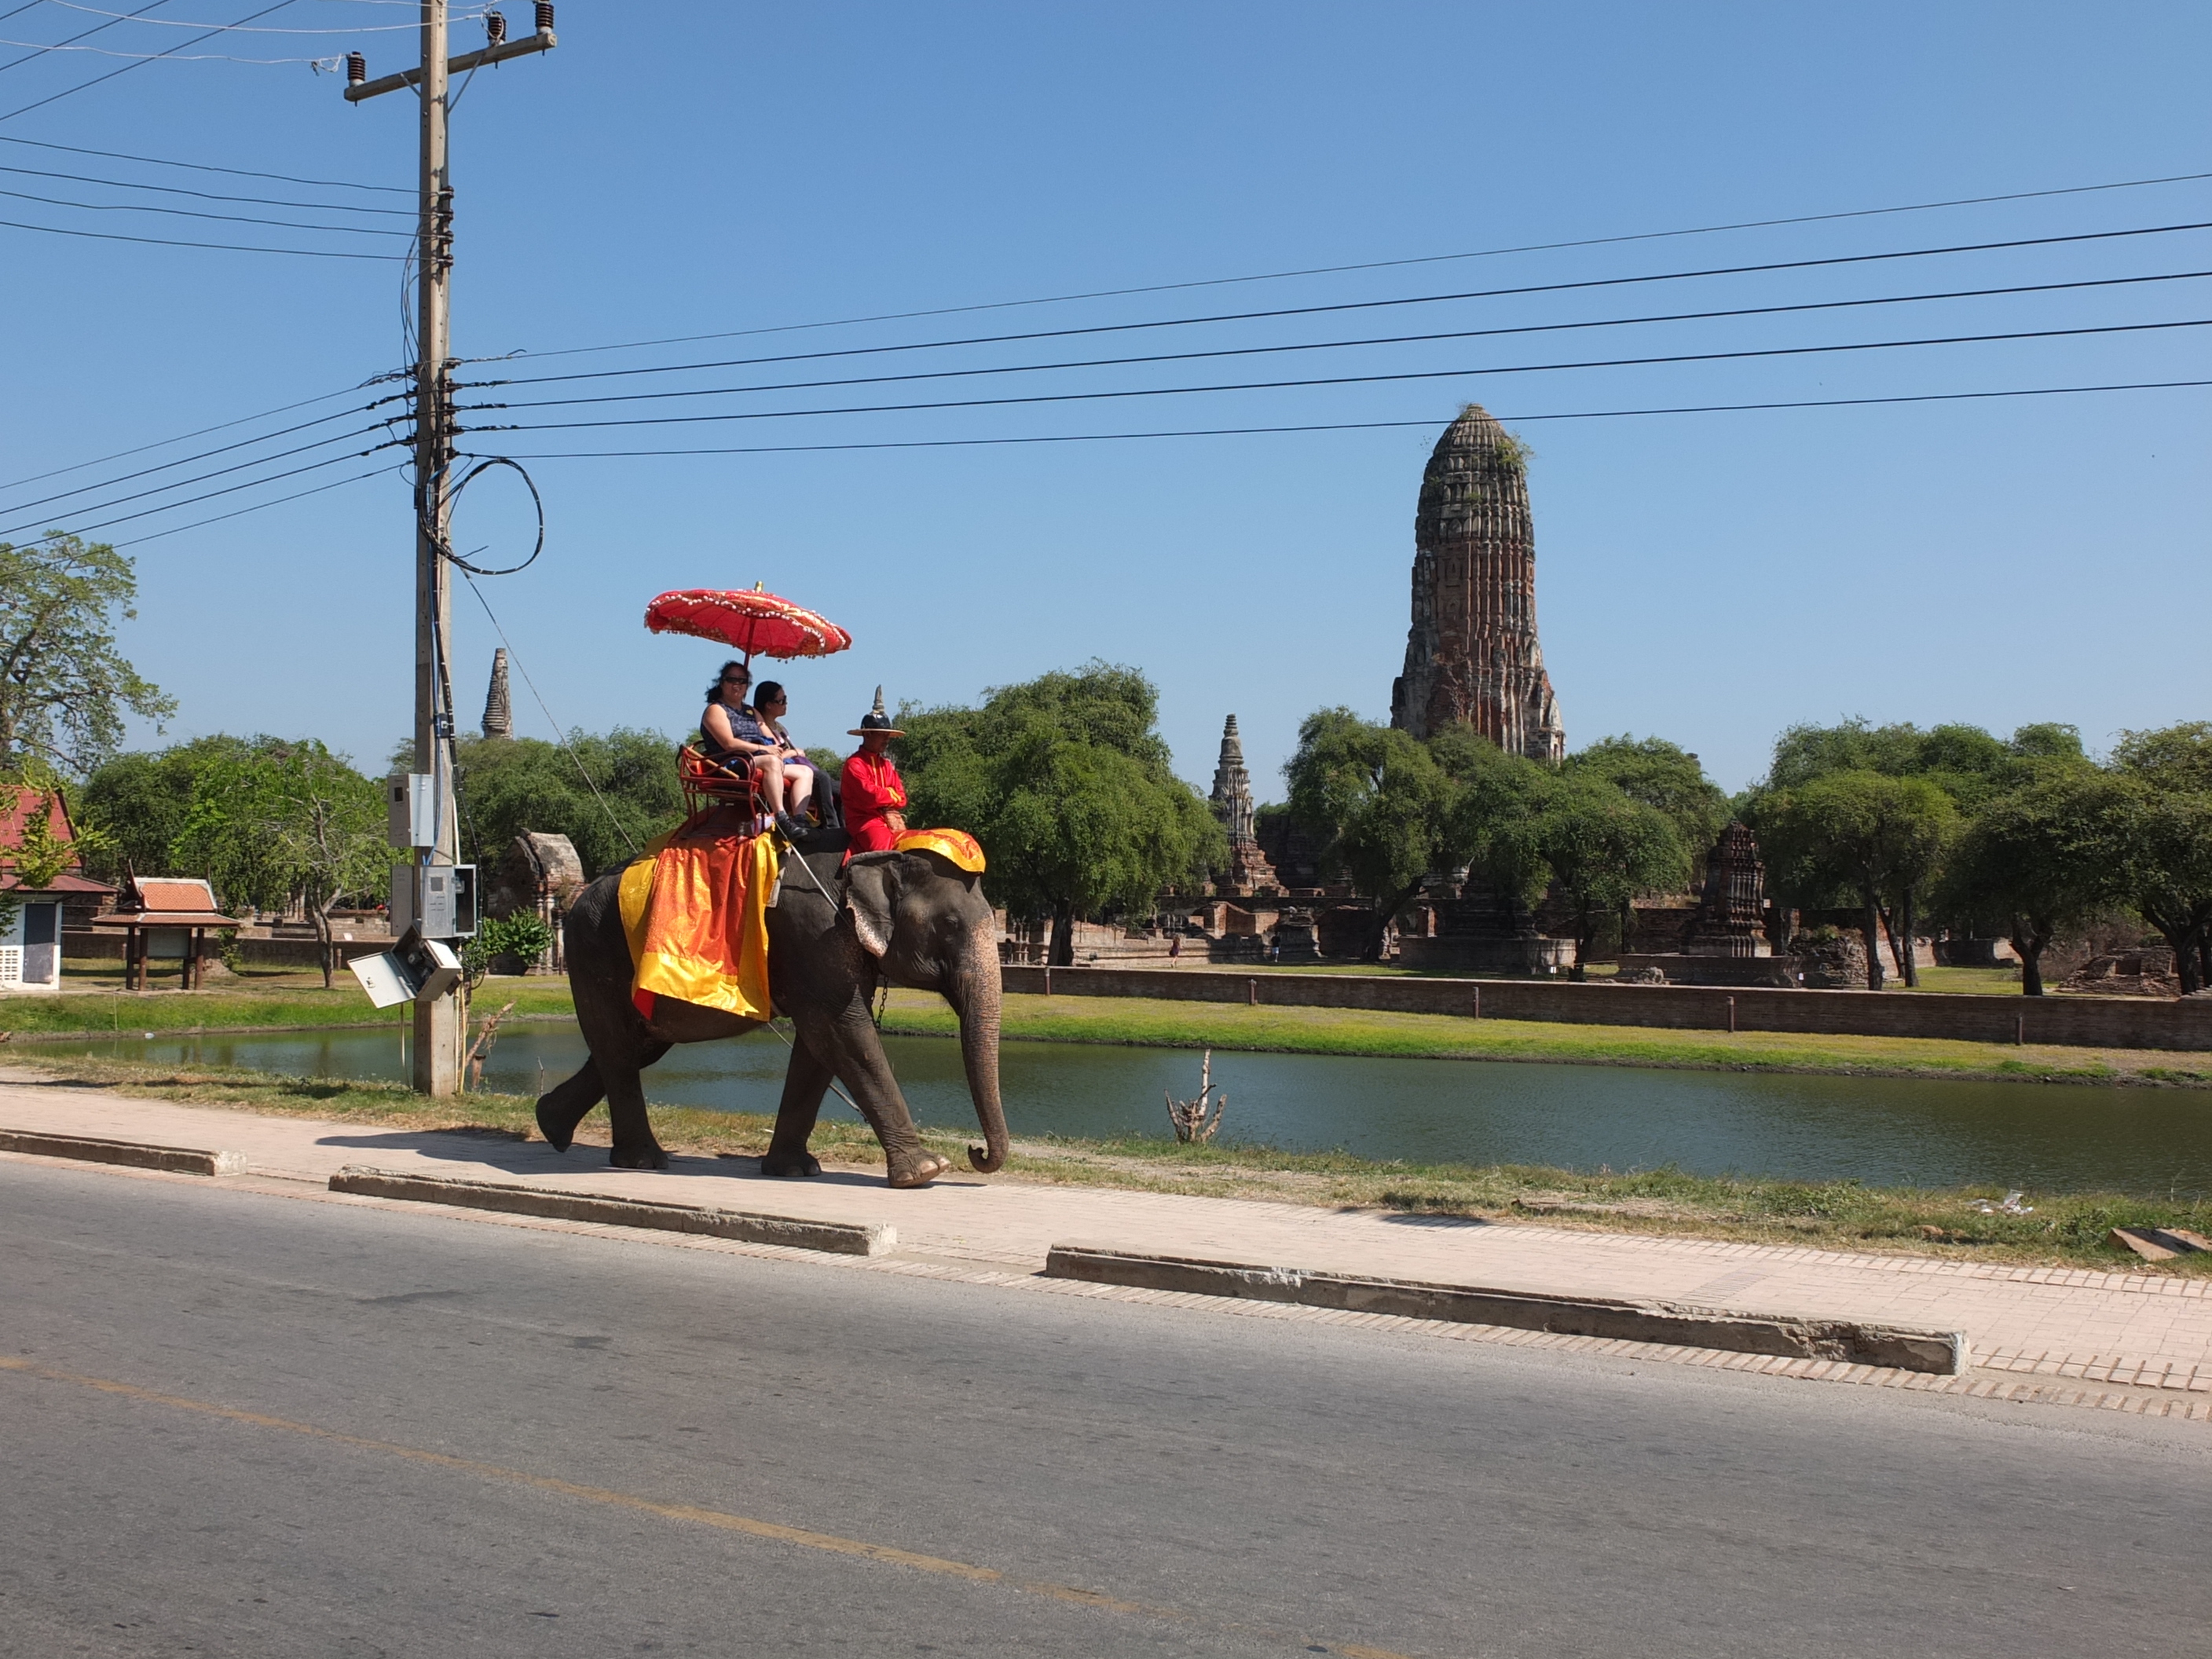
(1900, 1347)
(837, 1238)
(137, 1155)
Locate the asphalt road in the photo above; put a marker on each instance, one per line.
(243, 1425)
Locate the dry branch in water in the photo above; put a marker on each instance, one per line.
(1197, 1119)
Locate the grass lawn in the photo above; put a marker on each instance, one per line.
(2064, 1229)
(288, 1000)
(1151, 1023)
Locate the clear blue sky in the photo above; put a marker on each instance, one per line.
(692, 168)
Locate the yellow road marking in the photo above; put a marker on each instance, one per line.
(719, 1519)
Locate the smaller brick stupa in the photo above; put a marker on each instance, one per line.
(1247, 870)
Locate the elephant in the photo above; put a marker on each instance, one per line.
(836, 929)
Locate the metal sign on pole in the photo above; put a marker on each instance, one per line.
(436, 1054)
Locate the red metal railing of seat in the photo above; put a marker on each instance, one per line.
(707, 785)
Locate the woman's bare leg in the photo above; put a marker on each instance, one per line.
(799, 785)
(770, 769)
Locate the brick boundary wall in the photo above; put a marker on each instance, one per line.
(2065, 1022)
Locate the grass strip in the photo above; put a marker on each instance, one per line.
(1162, 1023)
(250, 1008)
(2066, 1229)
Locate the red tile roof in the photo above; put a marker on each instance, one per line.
(15, 804)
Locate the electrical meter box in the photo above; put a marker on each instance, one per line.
(416, 969)
(410, 810)
(438, 901)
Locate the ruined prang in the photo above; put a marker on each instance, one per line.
(499, 714)
(1731, 918)
(1472, 653)
(1249, 868)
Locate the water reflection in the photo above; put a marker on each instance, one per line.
(1882, 1130)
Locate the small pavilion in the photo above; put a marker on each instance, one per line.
(165, 919)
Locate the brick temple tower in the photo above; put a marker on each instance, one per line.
(1472, 653)
(1248, 870)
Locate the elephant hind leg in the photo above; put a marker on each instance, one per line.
(567, 1104)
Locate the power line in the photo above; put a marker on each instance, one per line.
(201, 166)
(202, 195)
(1370, 340)
(184, 437)
(232, 489)
(1383, 265)
(1429, 421)
(221, 247)
(238, 28)
(174, 54)
(16, 62)
(1520, 291)
(198, 213)
(178, 530)
(97, 80)
(183, 483)
(1354, 380)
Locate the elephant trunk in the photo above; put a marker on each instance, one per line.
(975, 999)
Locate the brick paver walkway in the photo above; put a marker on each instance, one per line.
(2146, 1334)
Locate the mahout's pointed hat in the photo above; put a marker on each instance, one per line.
(875, 720)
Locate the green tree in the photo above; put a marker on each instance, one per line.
(2163, 838)
(1067, 783)
(1496, 828)
(2038, 860)
(139, 802)
(1663, 776)
(1382, 804)
(1967, 763)
(63, 684)
(1876, 836)
(509, 784)
(1604, 850)
(285, 824)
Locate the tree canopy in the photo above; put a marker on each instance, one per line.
(1065, 783)
(1663, 776)
(65, 686)
(509, 784)
(1383, 803)
(2038, 862)
(1876, 836)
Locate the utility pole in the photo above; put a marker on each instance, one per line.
(436, 1059)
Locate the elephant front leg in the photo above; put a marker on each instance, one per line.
(565, 1104)
(855, 1051)
(803, 1084)
(636, 1145)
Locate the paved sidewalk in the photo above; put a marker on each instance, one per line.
(2148, 1334)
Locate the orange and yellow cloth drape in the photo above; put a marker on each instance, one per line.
(695, 912)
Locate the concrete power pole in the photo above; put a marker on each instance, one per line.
(436, 1060)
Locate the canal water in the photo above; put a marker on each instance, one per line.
(1886, 1131)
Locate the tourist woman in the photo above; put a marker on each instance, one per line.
(771, 704)
(735, 737)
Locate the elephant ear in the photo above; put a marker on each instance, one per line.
(870, 894)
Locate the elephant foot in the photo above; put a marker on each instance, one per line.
(919, 1171)
(800, 1163)
(558, 1136)
(638, 1158)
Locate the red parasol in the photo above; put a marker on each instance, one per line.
(756, 622)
